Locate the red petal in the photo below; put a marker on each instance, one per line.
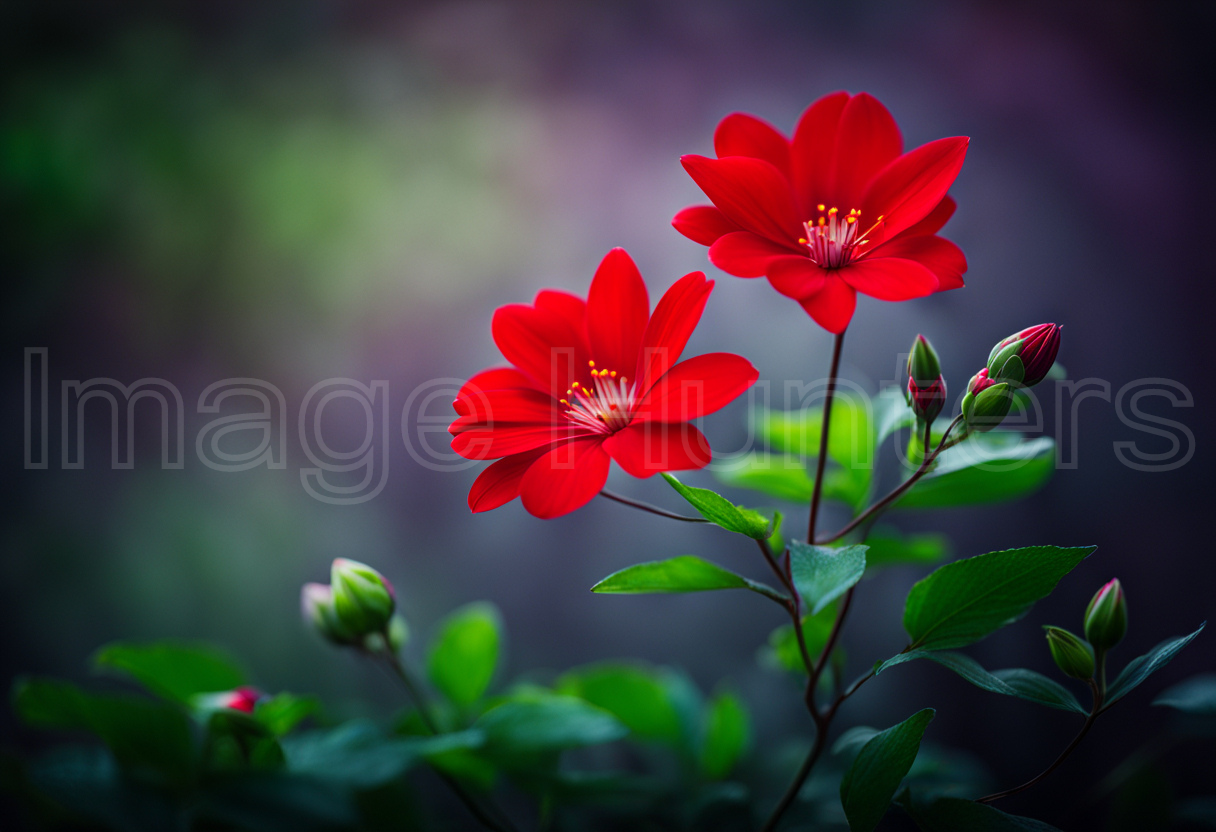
(499, 484)
(933, 223)
(520, 405)
(796, 277)
(486, 442)
(565, 478)
(697, 387)
(832, 306)
(813, 150)
(618, 309)
(906, 190)
(750, 192)
(937, 254)
(571, 307)
(890, 278)
(674, 319)
(742, 135)
(645, 448)
(542, 343)
(703, 224)
(866, 140)
(495, 378)
(744, 254)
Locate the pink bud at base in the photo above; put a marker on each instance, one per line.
(243, 699)
(927, 401)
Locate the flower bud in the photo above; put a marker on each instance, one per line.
(926, 387)
(362, 598)
(1073, 656)
(923, 365)
(987, 403)
(242, 699)
(1035, 347)
(1106, 616)
(317, 607)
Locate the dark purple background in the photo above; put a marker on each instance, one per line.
(319, 189)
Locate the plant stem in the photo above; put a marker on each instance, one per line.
(817, 490)
(1098, 694)
(791, 793)
(793, 604)
(662, 512)
(873, 511)
(486, 818)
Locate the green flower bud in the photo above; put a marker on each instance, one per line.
(363, 598)
(1106, 616)
(317, 608)
(1071, 654)
(923, 365)
(986, 409)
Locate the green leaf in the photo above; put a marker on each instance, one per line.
(547, 723)
(637, 695)
(987, 468)
(783, 477)
(464, 655)
(1035, 687)
(141, 733)
(358, 754)
(1141, 667)
(172, 670)
(822, 574)
(284, 711)
(686, 573)
(850, 445)
(851, 741)
(720, 511)
(727, 734)
(878, 769)
(775, 541)
(953, 814)
(891, 413)
(888, 547)
(1196, 695)
(1018, 682)
(964, 601)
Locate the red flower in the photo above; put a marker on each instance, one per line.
(838, 210)
(592, 380)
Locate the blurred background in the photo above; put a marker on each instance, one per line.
(297, 191)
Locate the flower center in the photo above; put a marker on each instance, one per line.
(834, 241)
(606, 408)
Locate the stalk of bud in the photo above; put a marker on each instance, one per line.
(926, 387)
(1106, 616)
(987, 402)
(1072, 655)
(363, 599)
(317, 608)
(1035, 348)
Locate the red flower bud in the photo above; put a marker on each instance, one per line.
(928, 400)
(243, 699)
(1036, 346)
(980, 382)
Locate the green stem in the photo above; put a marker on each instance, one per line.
(817, 490)
(486, 818)
(886, 502)
(1099, 695)
(661, 512)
